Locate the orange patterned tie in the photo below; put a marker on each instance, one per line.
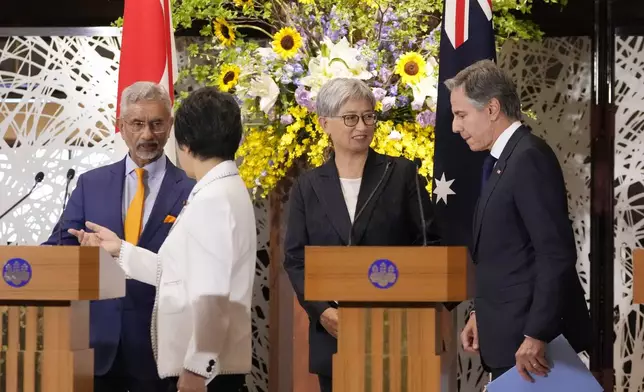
(134, 216)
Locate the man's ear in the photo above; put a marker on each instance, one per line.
(494, 108)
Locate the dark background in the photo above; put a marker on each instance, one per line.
(575, 19)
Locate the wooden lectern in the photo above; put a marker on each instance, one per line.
(44, 305)
(388, 339)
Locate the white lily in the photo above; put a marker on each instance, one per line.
(267, 90)
(338, 60)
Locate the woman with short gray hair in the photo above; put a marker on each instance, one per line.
(358, 197)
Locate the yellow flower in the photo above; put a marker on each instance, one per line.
(306, 1)
(243, 3)
(228, 77)
(287, 42)
(225, 32)
(411, 67)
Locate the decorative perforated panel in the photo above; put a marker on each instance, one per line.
(629, 211)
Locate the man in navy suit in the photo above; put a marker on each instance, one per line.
(141, 205)
(527, 288)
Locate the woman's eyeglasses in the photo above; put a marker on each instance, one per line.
(351, 120)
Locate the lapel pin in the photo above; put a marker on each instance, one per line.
(498, 171)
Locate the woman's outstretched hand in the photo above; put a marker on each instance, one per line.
(99, 236)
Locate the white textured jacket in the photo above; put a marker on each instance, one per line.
(204, 275)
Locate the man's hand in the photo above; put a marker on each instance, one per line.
(191, 382)
(329, 320)
(84, 238)
(470, 335)
(101, 236)
(531, 358)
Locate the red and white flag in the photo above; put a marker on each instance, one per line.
(148, 51)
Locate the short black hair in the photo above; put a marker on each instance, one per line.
(208, 122)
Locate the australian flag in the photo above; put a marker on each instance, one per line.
(467, 36)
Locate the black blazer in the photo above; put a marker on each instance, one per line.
(525, 255)
(318, 216)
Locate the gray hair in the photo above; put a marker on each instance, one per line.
(483, 81)
(336, 92)
(145, 91)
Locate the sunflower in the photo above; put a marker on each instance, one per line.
(287, 42)
(411, 67)
(228, 77)
(225, 32)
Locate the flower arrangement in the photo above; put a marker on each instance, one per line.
(300, 44)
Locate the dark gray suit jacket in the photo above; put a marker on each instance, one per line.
(525, 255)
(318, 216)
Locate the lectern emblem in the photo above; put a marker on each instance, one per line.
(383, 273)
(16, 272)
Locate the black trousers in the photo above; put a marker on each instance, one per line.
(118, 379)
(108, 383)
(326, 383)
(222, 383)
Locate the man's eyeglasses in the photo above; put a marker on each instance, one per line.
(351, 120)
(137, 126)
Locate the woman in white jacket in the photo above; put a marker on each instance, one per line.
(204, 271)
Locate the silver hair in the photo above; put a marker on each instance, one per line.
(144, 91)
(336, 92)
(484, 81)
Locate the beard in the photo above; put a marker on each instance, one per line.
(147, 150)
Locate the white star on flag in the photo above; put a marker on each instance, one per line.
(443, 189)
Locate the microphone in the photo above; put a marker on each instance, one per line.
(419, 164)
(70, 176)
(373, 192)
(39, 177)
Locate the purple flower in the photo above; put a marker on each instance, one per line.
(303, 98)
(389, 16)
(388, 103)
(285, 79)
(286, 119)
(426, 118)
(297, 69)
(393, 90)
(384, 74)
(379, 93)
(402, 101)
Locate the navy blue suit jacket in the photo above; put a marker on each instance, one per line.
(525, 255)
(98, 197)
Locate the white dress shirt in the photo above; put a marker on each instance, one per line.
(204, 274)
(503, 139)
